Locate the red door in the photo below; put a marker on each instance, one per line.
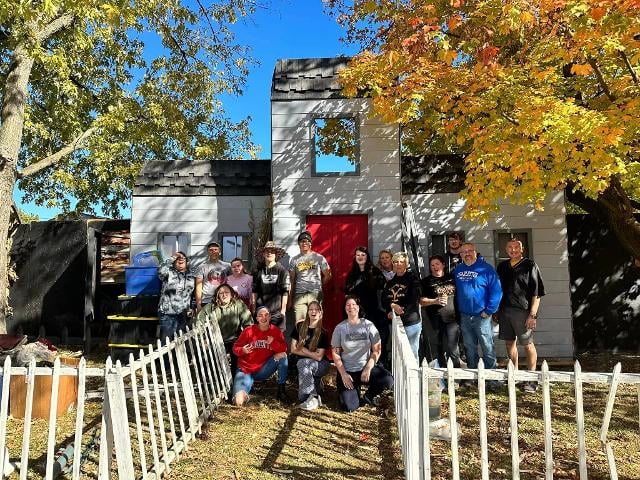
(336, 237)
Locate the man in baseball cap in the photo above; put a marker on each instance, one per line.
(309, 272)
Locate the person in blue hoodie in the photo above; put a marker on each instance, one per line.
(478, 293)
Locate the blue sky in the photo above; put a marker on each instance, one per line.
(283, 29)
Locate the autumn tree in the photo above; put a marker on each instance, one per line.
(539, 95)
(93, 89)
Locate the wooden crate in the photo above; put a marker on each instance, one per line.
(67, 393)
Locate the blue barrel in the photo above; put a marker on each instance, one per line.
(142, 280)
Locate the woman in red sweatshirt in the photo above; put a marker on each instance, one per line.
(261, 350)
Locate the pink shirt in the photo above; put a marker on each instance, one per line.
(242, 286)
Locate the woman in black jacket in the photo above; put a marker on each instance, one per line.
(366, 282)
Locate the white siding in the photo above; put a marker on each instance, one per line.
(437, 213)
(376, 190)
(204, 217)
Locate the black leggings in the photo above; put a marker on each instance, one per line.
(379, 381)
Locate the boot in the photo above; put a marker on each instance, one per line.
(282, 394)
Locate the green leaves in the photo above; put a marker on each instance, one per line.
(143, 77)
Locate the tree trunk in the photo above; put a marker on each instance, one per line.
(11, 128)
(614, 207)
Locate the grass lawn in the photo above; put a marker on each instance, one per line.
(266, 440)
(269, 441)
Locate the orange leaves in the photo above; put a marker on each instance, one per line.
(487, 54)
(457, 3)
(453, 22)
(597, 13)
(415, 22)
(581, 69)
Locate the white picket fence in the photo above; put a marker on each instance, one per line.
(152, 408)
(411, 393)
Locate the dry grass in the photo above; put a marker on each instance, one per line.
(266, 440)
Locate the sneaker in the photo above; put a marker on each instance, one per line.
(530, 387)
(375, 401)
(311, 403)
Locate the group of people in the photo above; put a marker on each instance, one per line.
(463, 300)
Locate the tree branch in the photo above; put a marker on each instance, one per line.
(56, 25)
(601, 81)
(56, 157)
(626, 61)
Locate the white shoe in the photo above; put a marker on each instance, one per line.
(311, 403)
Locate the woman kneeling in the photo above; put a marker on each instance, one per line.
(356, 349)
(309, 341)
(261, 351)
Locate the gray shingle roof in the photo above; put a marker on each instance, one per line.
(432, 174)
(215, 177)
(307, 78)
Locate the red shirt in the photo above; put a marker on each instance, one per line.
(253, 361)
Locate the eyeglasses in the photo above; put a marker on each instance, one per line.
(464, 252)
(224, 292)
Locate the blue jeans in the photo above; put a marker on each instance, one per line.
(413, 335)
(244, 381)
(170, 324)
(477, 330)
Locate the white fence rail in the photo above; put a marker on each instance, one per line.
(152, 409)
(411, 394)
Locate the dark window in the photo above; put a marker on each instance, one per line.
(171, 242)
(501, 237)
(235, 245)
(335, 146)
(438, 244)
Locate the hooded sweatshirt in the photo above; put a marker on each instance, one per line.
(477, 288)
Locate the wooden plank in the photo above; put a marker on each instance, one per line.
(53, 414)
(136, 411)
(453, 420)
(200, 379)
(176, 390)
(106, 433)
(201, 366)
(482, 398)
(513, 422)
(120, 422)
(425, 447)
(80, 400)
(167, 396)
(28, 408)
(546, 412)
(124, 318)
(582, 450)
(217, 363)
(158, 403)
(188, 385)
(611, 460)
(4, 408)
(150, 420)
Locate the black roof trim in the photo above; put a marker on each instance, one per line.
(307, 78)
(211, 177)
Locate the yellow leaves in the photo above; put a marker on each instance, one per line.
(527, 17)
(581, 69)
(111, 13)
(450, 56)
